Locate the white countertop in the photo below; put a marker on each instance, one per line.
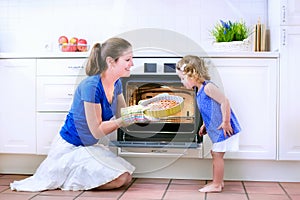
(45, 55)
(139, 54)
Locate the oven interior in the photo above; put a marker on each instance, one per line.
(179, 130)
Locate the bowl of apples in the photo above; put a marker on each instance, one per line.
(73, 44)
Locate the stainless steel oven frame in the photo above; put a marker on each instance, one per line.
(185, 142)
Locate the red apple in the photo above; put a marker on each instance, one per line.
(82, 41)
(82, 45)
(62, 39)
(72, 47)
(67, 47)
(74, 40)
(64, 47)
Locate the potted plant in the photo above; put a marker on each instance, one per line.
(231, 36)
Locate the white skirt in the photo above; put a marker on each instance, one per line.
(70, 167)
(229, 145)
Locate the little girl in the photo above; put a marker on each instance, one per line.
(219, 120)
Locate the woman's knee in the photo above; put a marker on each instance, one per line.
(123, 179)
(129, 178)
(126, 177)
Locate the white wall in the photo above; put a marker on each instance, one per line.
(28, 25)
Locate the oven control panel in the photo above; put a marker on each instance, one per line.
(155, 66)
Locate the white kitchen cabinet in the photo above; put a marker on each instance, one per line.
(289, 126)
(48, 126)
(290, 12)
(251, 85)
(57, 80)
(17, 107)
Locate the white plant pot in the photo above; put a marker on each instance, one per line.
(244, 45)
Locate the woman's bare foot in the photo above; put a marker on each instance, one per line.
(211, 188)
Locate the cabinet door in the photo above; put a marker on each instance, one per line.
(289, 124)
(250, 85)
(17, 107)
(290, 12)
(48, 126)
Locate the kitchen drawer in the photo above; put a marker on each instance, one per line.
(56, 93)
(61, 67)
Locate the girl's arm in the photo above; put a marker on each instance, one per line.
(215, 93)
(202, 130)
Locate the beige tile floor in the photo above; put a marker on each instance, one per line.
(162, 189)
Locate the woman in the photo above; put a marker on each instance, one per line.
(76, 161)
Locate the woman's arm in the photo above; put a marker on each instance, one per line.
(212, 91)
(98, 127)
(121, 104)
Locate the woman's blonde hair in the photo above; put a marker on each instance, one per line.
(194, 67)
(113, 47)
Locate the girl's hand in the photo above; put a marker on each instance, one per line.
(226, 126)
(202, 130)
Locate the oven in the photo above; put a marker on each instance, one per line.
(171, 136)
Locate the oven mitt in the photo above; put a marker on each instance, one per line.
(133, 114)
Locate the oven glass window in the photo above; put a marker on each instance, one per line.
(143, 91)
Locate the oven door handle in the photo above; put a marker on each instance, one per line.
(153, 153)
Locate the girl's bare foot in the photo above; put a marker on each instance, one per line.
(211, 188)
(222, 184)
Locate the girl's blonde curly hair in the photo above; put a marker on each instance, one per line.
(194, 67)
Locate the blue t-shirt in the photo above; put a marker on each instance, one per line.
(212, 116)
(75, 130)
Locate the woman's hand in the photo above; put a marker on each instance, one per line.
(133, 114)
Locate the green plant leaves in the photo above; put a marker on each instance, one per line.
(228, 31)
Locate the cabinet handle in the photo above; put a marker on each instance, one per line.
(283, 14)
(70, 94)
(75, 67)
(283, 37)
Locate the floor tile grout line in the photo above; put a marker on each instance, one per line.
(287, 194)
(127, 188)
(79, 194)
(245, 190)
(34, 196)
(167, 189)
(205, 195)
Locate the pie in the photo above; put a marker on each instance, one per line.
(162, 104)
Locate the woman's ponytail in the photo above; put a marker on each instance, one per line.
(94, 61)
